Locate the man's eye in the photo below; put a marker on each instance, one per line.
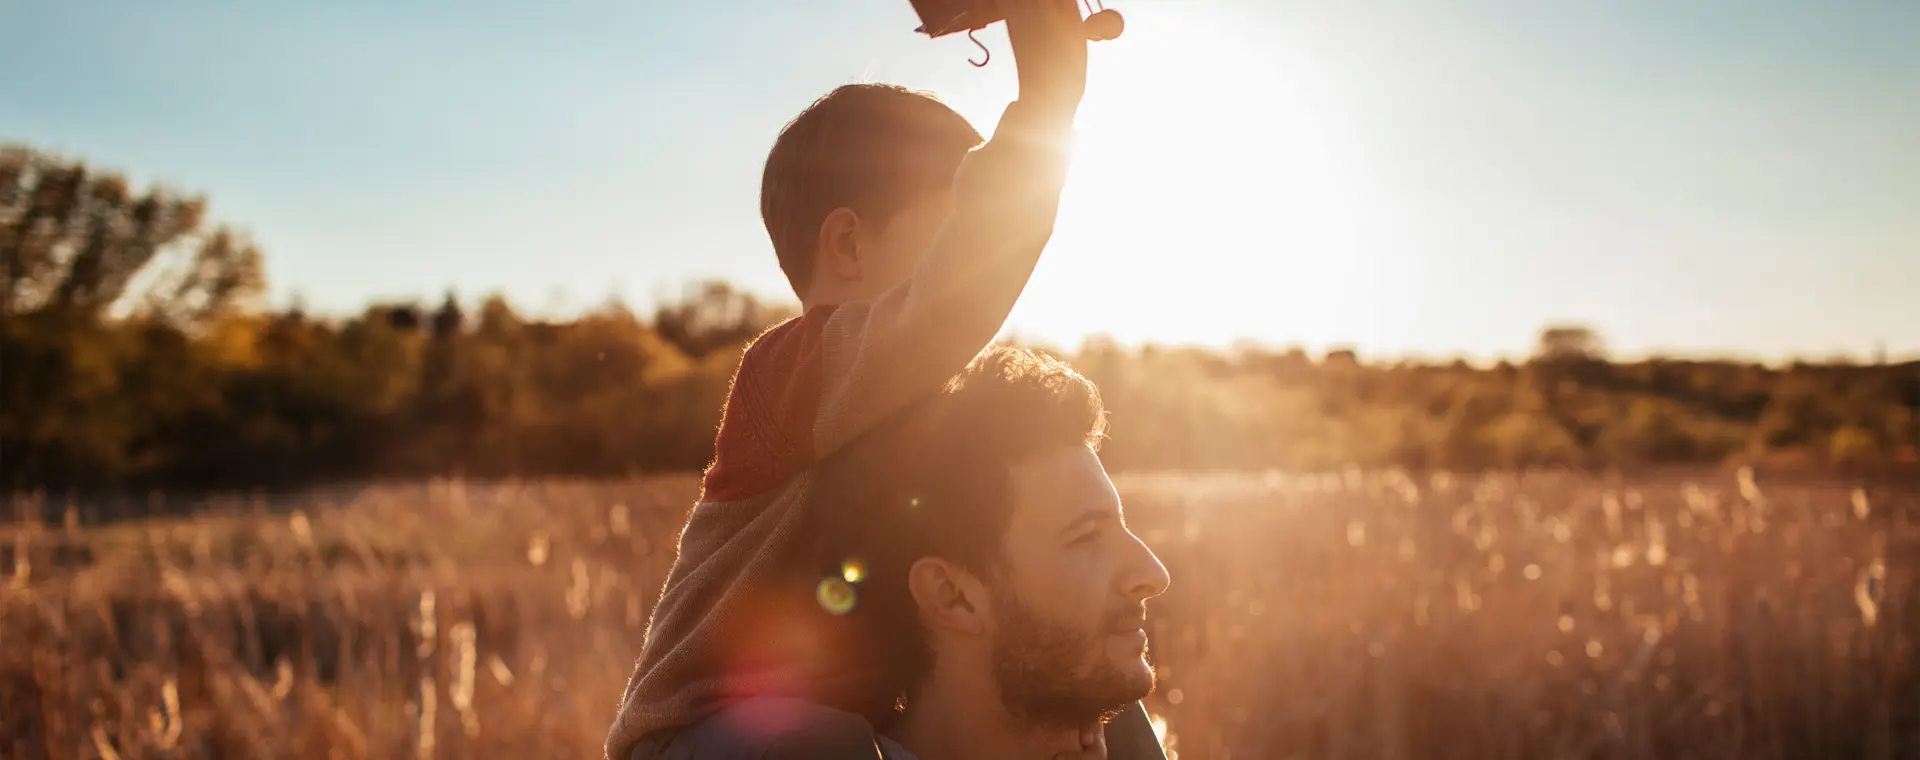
(1087, 537)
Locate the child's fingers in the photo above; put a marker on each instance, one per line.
(1048, 12)
(1047, 27)
(1050, 51)
(1093, 741)
(1093, 744)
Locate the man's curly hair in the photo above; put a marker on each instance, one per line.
(934, 480)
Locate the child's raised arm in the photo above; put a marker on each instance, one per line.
(882, 355)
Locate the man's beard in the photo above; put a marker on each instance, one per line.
(1034, 664)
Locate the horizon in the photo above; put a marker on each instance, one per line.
(468, 303)
(1689, 182)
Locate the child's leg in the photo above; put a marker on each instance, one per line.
(1130, 736)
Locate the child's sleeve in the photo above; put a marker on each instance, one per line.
(881, 355)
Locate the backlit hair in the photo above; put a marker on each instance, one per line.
(935, 481)
(871, 148)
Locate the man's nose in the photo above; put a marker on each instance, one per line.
(1145, 577)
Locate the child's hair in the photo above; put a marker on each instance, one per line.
(868, 147)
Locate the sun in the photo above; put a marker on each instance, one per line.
(1213, 194)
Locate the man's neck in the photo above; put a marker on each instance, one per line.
(963, 719)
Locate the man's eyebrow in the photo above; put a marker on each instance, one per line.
(1092, 516)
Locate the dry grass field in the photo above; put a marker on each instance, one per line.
(1337, 615)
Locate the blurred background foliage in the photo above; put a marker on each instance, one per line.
(136, 351)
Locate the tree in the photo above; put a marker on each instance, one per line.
(83, 242)
(1570, 342)
(714, 315)
(448, 320)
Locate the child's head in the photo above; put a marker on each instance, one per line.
(857, 186)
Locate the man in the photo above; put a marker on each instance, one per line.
(907, 247)
(975, 569)
(977, 552)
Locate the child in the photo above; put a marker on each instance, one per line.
(907, 248)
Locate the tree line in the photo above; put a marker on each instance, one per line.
(135, 352)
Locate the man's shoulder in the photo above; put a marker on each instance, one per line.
(777, 728)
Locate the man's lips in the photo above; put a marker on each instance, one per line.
(1136, 638)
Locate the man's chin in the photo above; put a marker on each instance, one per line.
(1136, 680)
(1128, 655)
(1128, 678)
(1100, 694)
(1037, 683)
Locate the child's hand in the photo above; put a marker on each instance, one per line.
(1093, 743)
(1050, 50)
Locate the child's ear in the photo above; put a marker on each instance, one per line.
(840, 243)
(947, 596)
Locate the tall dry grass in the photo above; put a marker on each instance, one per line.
(1329, 616)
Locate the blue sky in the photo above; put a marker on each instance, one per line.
(1704, 177)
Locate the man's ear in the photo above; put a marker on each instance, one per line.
(840, 243)
(948, 597)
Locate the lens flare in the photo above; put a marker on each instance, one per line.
(836, 596)
(853, 570)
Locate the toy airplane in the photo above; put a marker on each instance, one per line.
(939, 18)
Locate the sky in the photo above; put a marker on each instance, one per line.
(1406, 177)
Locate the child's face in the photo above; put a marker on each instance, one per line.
(892, 250)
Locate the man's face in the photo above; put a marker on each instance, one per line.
(1069, 606)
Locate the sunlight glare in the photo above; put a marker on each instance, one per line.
(1211, 175)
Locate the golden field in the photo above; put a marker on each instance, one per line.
(1332, 615)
